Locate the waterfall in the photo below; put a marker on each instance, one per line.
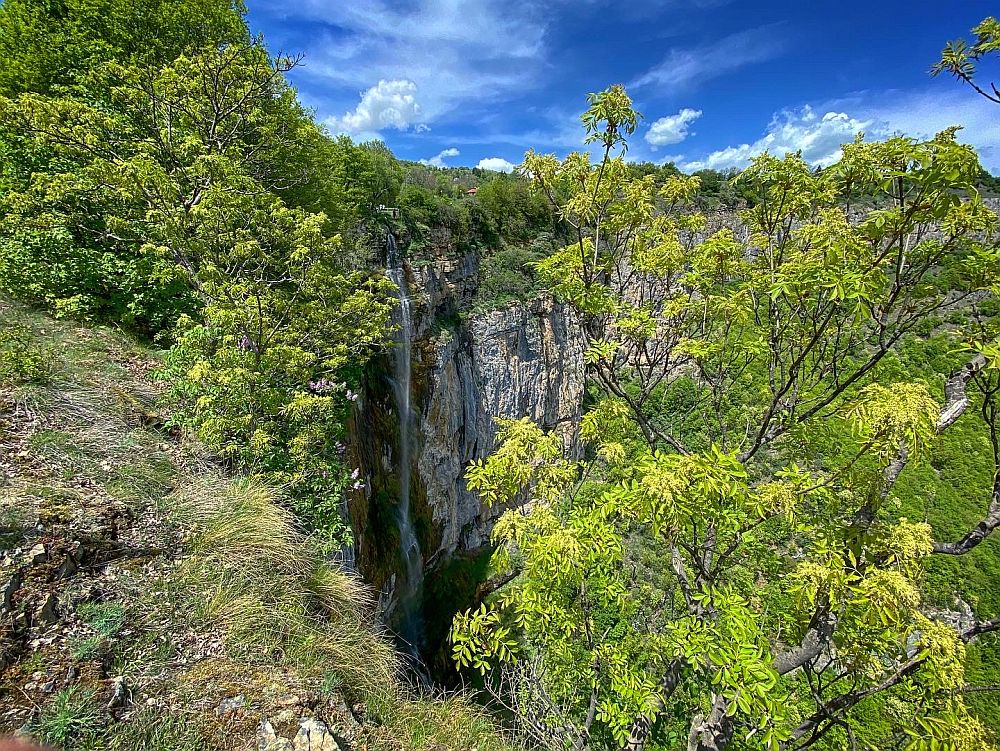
(409, 590)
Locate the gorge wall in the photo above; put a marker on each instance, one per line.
(517, 360)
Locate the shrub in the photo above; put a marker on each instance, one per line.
(506, 275)
(73, 279)
(21, 359)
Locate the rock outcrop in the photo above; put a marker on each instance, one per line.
(516, 361)
(469, 367)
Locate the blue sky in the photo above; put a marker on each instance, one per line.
(477, 82)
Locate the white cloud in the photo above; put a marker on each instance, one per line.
(682, 68)
(877, 114)
(388, 104)
(438, 161)
(671, 159)
(460, 53)
(922, 114)
(818, 137)
(672, 128)
(496, 164)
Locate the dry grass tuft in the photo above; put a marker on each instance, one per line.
(255, 575)
(445, 723)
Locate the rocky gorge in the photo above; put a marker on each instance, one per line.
(471, 366)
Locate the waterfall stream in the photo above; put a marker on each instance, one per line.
(409, 590)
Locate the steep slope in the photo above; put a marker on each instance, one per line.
(150, 600)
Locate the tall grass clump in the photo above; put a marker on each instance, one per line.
(444, 722)
(251, 572)
(72, 719)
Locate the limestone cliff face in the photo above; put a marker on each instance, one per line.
(468, 368)
(517, 361)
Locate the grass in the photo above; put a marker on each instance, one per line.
(14, 524)
(87, 396)
(450, 722)
(255, 575)
(105, 620)
(154, 730)
(331, 684)
(71, 720)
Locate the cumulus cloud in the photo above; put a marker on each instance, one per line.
(460, 53)
(921, 114)
(879, 114)
(496, 164)
(672, 128)
(685, 67)
(818, 137)
(388, 104)
(438, 161)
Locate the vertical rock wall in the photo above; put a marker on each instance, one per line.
(515, 361)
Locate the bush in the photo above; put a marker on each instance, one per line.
(72, 279)
(21, 359)
(508, 274)
(517, 213)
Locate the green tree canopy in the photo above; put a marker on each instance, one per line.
(46, 44)
(702, 571)
(196, 199)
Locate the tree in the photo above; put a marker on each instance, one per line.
(45, 44)
(960, 59)
(517, 213)
(356, 180)
(58, 50)
(704, 570)
(184, 169)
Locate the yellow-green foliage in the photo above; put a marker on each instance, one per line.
(960, 58)
(888, 417)
(527, 457)
(755, 543)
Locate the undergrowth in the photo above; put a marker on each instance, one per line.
(213, 588)
(252, 572)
